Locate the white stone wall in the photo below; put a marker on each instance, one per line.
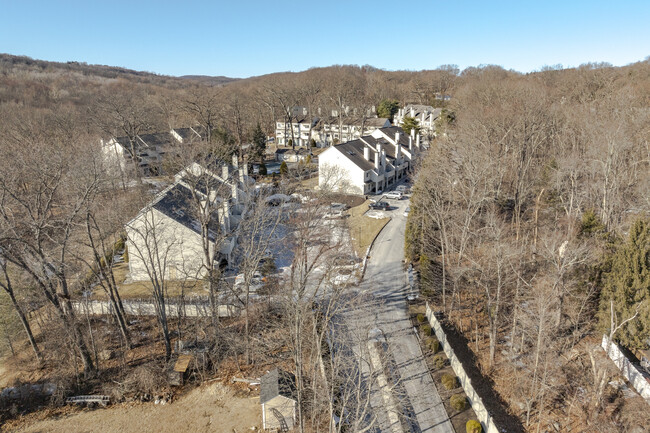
(475, 400)
(629, 370)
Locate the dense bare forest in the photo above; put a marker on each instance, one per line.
(524, 216)
(524, 212)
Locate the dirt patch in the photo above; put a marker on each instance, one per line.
(143, 289)
(209, 408)
(351, 201)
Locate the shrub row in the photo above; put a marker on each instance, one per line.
(458, 402)
(449, 381)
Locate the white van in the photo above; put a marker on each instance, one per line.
(396, 195)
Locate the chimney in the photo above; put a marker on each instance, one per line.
(235, 160)
(398, 150)
(225, 171)
(366, 153)
(412, 112)
(412, 132)
(383, 158)
(417, 141)
(245, 164)
(235, 192)
(224, 216)
(411, 146)
(241, 178)
(377, 161)
(396, 137)
(423, 114)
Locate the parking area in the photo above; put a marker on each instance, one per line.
(395, 207)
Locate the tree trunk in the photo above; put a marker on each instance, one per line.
(25, 323)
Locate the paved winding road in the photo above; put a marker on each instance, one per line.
(385, 280)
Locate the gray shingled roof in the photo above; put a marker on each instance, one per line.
(178, 204)
(355, 121)
(189, 134)
(353, 150)
(435, 112)
(277, 382)
(156, 140)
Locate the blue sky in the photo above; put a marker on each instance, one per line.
(240, 38)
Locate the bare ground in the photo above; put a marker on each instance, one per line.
(209, 408)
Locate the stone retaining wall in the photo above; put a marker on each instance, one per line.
(475, 400)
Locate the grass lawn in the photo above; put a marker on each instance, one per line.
(363, 229)
(142, 289)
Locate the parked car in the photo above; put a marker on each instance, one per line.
(339, 206)
(380, 205)
(395, 195)
(256, 281)
(407, 211)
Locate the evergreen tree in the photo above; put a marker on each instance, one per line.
(262, 171)
(410, 123)
(387, 108)
(628, 285)
(283, 168)
(259, 143)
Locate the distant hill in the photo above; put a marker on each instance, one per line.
(9, 61)
(207, 79)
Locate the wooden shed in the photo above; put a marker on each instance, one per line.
(178, 375)
(278, 400)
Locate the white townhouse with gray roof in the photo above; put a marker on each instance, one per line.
(370, 164)
(166, 236)
(425, 115)
(148, 149)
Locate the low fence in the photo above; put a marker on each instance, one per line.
(146, 307)
(629, 370)
(475, 400)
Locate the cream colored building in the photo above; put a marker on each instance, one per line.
(165, 239)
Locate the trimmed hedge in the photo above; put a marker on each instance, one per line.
(458, 402)
(439, 361)
(421, 318)
(473, 426)
(434, 345)
(449, 381)
(426, 329)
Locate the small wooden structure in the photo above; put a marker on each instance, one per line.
(179, 373)
(278, 400)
